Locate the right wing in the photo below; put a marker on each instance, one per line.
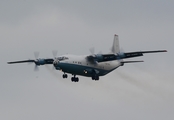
(37, 61)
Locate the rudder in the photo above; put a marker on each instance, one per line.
(115, 47)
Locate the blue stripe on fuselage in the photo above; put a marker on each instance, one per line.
(77, 69)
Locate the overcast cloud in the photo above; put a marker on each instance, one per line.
(134, 91)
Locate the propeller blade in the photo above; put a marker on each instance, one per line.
(92, 50)
(36, 55)
(36, 68)
(54, 52)
(53, 67)
(100, 52)
(122, 50)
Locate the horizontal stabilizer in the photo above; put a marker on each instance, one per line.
(131, 61)
(153, 51)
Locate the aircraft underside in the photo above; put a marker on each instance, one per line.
(86, 71)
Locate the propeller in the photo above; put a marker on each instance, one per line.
(54, 52)
(36, 55)
(121, 53)
(36, 68)
(92, 50)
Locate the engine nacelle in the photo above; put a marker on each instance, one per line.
(99, 58)
(43, 61)
(40, 62)
(120, 55)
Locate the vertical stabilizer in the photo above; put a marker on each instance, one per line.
(115, 47)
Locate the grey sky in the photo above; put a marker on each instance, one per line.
(135, 91)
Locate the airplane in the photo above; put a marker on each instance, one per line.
(93, 65)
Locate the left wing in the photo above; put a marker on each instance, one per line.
(111, 57)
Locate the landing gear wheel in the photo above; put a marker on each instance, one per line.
(72, 79)
(75, 79)
(95, 77)
(65, 76)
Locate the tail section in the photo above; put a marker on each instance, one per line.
(115, 47)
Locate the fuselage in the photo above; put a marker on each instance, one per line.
(79, 65)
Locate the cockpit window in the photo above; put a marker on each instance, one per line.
(62, 58)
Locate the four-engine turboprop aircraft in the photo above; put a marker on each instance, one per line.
(93, 65)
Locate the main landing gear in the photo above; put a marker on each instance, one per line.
(95, 77)
(75, 79)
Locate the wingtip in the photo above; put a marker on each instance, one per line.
(163, 50)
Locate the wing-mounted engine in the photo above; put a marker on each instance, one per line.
(101, 57)
(43, 61)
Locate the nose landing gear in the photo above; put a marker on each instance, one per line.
(65, 75)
